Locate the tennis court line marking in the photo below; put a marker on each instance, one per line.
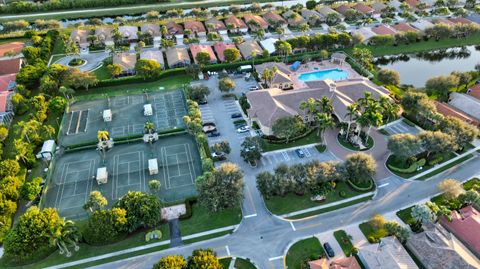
(117, 163)
(65, 173)
(66, 166)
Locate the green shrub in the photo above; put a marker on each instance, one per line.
(435, 160)
(342, 194)
(189, 202)
(411, 169)
(421, 162)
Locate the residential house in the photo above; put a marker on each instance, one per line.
(177, 57)
(447, 110)
(465, 225)
(338, 263)
(388, 254)
(293, 18)
(312, 17)
(474, 91)
(215, 25)
(248, 48)
(7, 86)
(220, 47)
(269, 105)
(129, 33)
(195, 28)
(236, 25)
(412, 3)
(466, 103)
(378, 7)
(366, 32)
(383, 29)
(155, 55)
(474, 17)
(404, 27)
(196, 48)
(127, 61)
(364, 9)
(436, 248)
(151, 29)
(281, 79)
(460, 20)
(422, 24)
(104, 35)
(342, 9)
(80, 37)
(269, 45)
(255, 22)
(443, 21)
(324, 11)
(174, 30)
(274, 19)
(12, 47)
(10, 66)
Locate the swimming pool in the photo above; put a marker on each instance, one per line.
(334, 74)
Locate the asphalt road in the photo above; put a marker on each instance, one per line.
(265, 238)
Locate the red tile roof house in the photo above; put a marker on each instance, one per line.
(460, 20)
(383, 29)
(220, 47)
(412, 3)
(195, 28)
(447, 110)
(443, 21)
(10, 66)
(361, 7)
(195, 49)
(474, 91)
(404, 27)
(13, 47)
(236, 25)
(7, 85)
(173, 29)
(255, 21)
(342, 9)
(215, 25)
(465, 225)
(274, 19)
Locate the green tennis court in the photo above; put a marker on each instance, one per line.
(85, 118)
(74, 175)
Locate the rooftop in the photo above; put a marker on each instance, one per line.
(220, 48)
(235, 22)
(126, 60)
(196, 48)
(447, 110)
(10, 66)
(388, 254)
(465, 225)
(16, 47)
(465, 103)
(383, 29)
(474, 91)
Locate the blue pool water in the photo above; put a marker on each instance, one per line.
(333, 74)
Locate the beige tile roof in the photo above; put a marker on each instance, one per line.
(437, 248)
(250, 17)
(129, 32)
(361, 7)
(155, 55)
(293, 18)
(174, 28)
(126, 60)
(195, 26)
(247, 47)
(152, 29)
(274, 18)
(404, 27)
(218, 24)
(388, 254)
(177, 56)
(325, 10)
(104, 34)
(79, 36)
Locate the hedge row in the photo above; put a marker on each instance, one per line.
(137, 79)
(275, 140)
(358, 188)
(189, 202)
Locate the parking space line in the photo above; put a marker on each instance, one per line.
(285, 156)
(307, 152)
(269, 160)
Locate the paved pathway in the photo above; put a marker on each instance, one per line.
(175, 236)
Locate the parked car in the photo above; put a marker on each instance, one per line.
(213, 134)
(203, 101)
(300, 153)
(329, 250)
(254, 88)
(236, 115)
(217, 154)
(243, 129)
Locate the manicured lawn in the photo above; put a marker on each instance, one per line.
(348, 145)
(344, 241)
(204, 220)
(243, 264)
(304, 250)
(309, 139)
(168, 84)
(369, 231)
(225, 262)
(392, 161)
(406, 215)
(446, 167)
(102, 73)
(423, 45)
(321, 148)
(291, 202)
(471, 183)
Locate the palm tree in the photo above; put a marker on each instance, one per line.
(149, 127)
(253, 55)
(326, 105)
(64, 236)
(366, 100)
(103, 137)
(389, 110)
(364, 121)
(353, 112)
(267, 76)
(304, 28)
(310, 108)
(325, 121)
(280, 31)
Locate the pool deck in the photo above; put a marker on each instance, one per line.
(320, 66)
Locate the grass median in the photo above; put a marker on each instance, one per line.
(302, 251)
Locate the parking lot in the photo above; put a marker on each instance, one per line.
(400, 127)
(289, 156)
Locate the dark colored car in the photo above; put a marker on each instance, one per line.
(203, 102)
(329, 250)
(300, 153)
(236, 115)
(213, 134)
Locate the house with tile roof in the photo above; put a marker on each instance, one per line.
(366, 32)
(325, 10)
(151, 29)
(155, 55)
(197, 48)
(104, 35)
(293, 18)
(80, 37)
(282, 77)
(465, 103)
(268, 44)
(127, 61)
(269, 105)
(404, 27)
(474, 91)
(422, 24)
(388, 254)
(274, 19)
(216, 25)
(177, 57)
(460, 20)
(312, 17)
(436, 248)
(195, 28)
(447, 110)
(342, 9)
(364, 9)
(174, 30)
(12, 47)
(129, 33)
(465, 225)
(254, 22)
(236, 25)
(249, 47)
(220, 48)
(338, 263)
(383, 29)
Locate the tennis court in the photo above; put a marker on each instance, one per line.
(85, 118)
(74, 175)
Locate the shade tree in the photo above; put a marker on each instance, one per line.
(288, 127)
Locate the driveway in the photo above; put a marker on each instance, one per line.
(328, 237)
(93, 60)
(400, 127)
